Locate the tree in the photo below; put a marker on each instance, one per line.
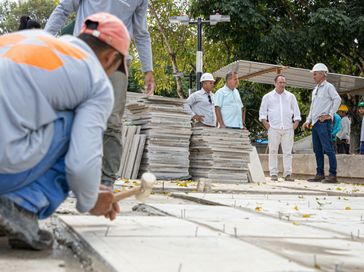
(295, 33)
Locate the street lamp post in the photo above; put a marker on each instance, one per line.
(185, 20)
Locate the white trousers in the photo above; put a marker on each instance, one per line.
(284, 137)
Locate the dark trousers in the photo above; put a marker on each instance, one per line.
(343, 147)
(362, 147)
(322, 144)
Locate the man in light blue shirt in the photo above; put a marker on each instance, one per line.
(230, 111)
(134, 15)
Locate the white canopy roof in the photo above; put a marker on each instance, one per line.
(296, 77)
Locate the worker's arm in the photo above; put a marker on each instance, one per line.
(84, 157)
(60, 14)
(219, 117)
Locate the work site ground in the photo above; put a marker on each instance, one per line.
(183, 227)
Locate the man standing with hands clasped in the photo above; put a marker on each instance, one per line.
(325, 102)
(279, 107)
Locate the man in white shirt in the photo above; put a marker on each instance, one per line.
(280, 115)
(200, 104)
(343, 141)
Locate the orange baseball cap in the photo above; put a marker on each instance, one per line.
(112, 31)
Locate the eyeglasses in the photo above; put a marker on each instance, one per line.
(209, 97)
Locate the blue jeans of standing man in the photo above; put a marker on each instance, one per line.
(362, 148)
(41, 189)
(322, 144)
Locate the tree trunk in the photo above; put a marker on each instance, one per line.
(171, 52)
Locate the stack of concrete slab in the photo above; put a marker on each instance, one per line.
(220, 155)
(131, 98)
(133, 146)
(168, 130)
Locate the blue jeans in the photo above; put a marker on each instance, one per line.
(322, 144)
(43, 188)
(361, 148)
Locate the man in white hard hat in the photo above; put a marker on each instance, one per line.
(200, 104)
(229, 109)
(325, 103)
(52, 125)
(276, 112)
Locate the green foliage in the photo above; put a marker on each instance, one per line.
(294, 33)
(38, 10)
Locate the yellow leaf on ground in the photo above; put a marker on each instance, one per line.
(338, 189)
(258, 209)
(348, 208)
(296, 223)
(306, 215)
(296, 208)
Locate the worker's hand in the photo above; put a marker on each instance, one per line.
(104, 205)
(325, 117)
(266, 124)
(149, 84)
(305, 125)
(295, 125)
(198, 118)
(114, 212)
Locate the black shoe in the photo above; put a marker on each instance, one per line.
(273, 178)
(317, 178)
(45, 241)
(22, 227)
(288, 178)
(330, 179)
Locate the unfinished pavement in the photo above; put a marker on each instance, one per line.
(252, 227)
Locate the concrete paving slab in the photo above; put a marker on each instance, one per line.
(169, 244)
(324, 254)
(339, 215)
(242, 223)
(286, 238)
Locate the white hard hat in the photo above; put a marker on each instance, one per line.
(320, 67)
(207, 77)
